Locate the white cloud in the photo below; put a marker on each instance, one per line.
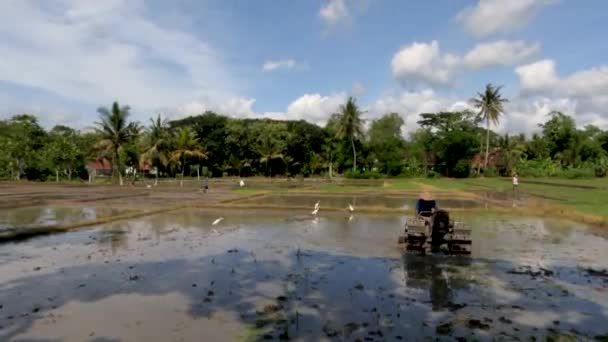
(589, 88)
(496, 16)
(334, 12)
(98, 51)
(340, 13)
(500, 53)
(315, 107)
(279, 64)
(234, 106)
(523, 114)
(537, 76)
(423, 62)
(410, 104)
(358, 89)
(591, 82)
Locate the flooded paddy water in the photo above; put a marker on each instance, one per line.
(282, 274)
(47, 216)
(357, 200)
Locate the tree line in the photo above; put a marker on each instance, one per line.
(453, 144)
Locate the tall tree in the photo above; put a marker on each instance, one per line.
(386, 143)
(186, 145)
(114, 132)
(350, 125)
(24, 139)
(490, 105)
(156, 145)
(452, 137)
(62, 153)
(271, 145)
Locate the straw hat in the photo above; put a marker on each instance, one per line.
(426, 196)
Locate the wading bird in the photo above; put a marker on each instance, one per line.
(217, 221)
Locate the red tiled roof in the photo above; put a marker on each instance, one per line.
(103, 164)
(494, 158)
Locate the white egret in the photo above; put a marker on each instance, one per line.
(317, 205)
(241, 183)
(351, 208)
(217, 221)
(314, 212)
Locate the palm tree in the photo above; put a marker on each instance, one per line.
(490, 105)
(329, 151)
(156, 144)
(186, 145)
(114, 132)
(269, 148)
(350, 125)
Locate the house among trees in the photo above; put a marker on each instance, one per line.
(101, 167)
(495, 160)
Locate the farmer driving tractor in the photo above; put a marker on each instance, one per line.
(431, 230)
(426, 205)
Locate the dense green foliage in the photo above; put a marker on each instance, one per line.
(447, 143)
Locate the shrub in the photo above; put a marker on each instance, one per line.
(433, 174)
(489, 172)
(412, 171)
(575, 172)
(363, 175)
(462, 169)
(601, 167)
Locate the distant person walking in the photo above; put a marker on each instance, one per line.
(515, 183)
(206, 185)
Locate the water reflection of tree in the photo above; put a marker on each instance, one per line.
(25, 216)
(435, 274)
(115, 237)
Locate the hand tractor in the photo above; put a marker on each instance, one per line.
(434, 231)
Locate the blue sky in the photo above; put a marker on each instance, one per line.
(62, 59)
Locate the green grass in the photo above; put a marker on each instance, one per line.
(587, 201)
(595, 182)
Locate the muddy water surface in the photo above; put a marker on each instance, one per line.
(281, 274)
(46, 216)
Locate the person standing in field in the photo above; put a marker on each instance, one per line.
(206, 185)
(515, 182)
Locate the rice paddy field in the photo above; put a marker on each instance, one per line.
(133, 263)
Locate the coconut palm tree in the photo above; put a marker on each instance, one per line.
(350, 125)
(490, 105)
(156, 144)
(270, 147)
(186, 145)
(114, 131)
